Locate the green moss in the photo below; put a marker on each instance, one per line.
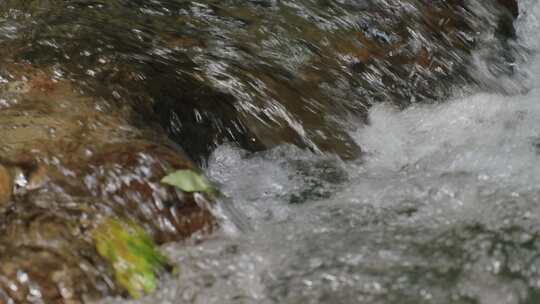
(133, 255)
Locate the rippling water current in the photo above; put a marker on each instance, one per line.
(442, 207)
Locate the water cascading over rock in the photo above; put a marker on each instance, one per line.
(94, 96)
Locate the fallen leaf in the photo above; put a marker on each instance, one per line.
(188, 181)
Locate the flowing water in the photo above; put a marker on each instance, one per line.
(442, 207)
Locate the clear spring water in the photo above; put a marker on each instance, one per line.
(443, 208)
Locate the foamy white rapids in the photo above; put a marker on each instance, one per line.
(443, 208)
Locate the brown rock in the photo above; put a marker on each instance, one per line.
(6, 185)
(82, 161)
(104, 155)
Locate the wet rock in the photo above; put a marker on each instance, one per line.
(80, 161)
(261, 74)
(426, 52)
(6, 186)
(126, 174)
(511, 6)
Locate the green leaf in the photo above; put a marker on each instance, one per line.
(188, 181)
(134, 257)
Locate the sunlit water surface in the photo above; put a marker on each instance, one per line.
(443, 208)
